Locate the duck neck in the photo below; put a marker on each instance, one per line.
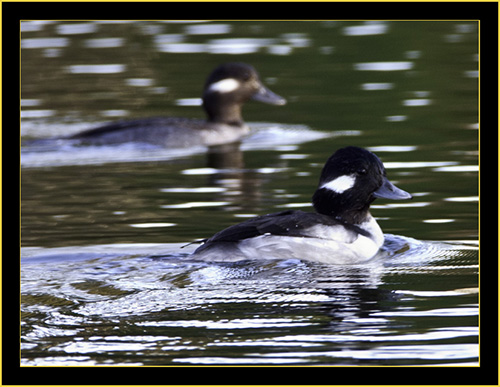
(223, 112)
(353, 217)
(336, 206)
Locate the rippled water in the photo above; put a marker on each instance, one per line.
(105, 276)
(105, 305)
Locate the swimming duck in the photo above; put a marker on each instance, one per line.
(227, 88)
(341, 231)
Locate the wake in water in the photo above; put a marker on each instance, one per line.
(172, 310)
(136, 267)
(58, 151)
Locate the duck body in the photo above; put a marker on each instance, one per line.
(168, 132)
(341, 231)
(225, 92)
(295, 234)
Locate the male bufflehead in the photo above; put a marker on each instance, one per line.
(227, 88)
(341, 231)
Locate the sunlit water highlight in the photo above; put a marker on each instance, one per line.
(105, 279)
(95, 301)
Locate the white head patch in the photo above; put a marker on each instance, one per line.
(340, 184)
(224, 86)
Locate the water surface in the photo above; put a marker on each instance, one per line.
(104, 278)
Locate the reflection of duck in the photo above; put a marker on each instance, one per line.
(226, 90)
(341, 231)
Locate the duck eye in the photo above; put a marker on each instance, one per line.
(246, 76)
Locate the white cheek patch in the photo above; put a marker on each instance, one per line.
(340, 184)
(224, 86)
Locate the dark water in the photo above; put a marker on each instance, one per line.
(104, 279)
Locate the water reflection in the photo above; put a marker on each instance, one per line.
(247, 312)
(76, 28)
(104, 42)
(105, 279)
(383, 66)
(370, 28)
(377, 86)
(59, 152)
(96, 69)
(208, 29)
(44, 43)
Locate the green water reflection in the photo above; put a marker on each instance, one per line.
(431, 105)
(406, 90)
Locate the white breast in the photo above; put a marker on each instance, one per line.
(217, 134)
(308, 249)
(327, 244)
(332, 244)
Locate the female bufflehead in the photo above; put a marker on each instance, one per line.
(341, 231)
(227, 88)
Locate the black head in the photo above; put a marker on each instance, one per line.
(351, 180)
(229, 86)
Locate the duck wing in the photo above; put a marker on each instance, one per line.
(288, 223)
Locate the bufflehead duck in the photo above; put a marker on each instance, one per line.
(341, 231)
(227, 88)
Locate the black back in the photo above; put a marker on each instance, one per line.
(286, 223)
